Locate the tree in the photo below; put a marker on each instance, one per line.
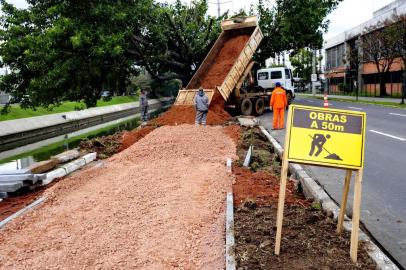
(181, 36)
(292, 25)
(399, 25)
(380, 45)
(69, 50)
(302, 63)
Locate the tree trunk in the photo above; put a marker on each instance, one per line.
(403, 86)
(382, 85)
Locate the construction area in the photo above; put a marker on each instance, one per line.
(156, 196)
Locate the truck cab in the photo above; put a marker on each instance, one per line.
(267, 77)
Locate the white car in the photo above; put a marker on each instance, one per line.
(267, 77)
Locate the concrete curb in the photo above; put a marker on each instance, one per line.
(230, 242)
(22, 211)
(313, 190)
(69, 168)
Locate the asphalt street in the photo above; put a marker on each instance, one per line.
(383, 209)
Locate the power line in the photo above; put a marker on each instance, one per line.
(218, 3)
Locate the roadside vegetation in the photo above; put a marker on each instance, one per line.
(54, 51)
(17, 112)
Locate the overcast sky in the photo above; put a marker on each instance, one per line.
(348, 14)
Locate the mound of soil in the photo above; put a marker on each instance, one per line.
(181, 114)
(262, 187)
(160, 204)
(130, 137)
(234, 132)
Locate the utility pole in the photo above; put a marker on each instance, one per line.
(219, 3)
(314, 72)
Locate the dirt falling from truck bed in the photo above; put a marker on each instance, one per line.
(224, 61)
(181, 114)
(215, 76)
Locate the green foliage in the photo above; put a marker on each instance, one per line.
(181, 37)
(69, 50)
(292, 25)
(302, 63)
(16, 112)
(73, 50)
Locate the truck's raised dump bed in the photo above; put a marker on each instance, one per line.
(226, 62)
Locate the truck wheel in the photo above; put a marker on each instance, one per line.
(289, 97)
(246, 106)
(259, 106)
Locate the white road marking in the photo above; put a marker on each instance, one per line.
(398, 114)
(355, 108)
(388, 135)
(311, 101)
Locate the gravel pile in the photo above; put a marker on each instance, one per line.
(157, 205)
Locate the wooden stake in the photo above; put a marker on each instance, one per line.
(281, 205)
(344, 201)
(356, 212)
(282, 186)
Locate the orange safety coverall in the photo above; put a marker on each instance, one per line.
(278, 104)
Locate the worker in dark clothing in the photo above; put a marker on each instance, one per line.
(318, 141)
(202, 107)
(144, 105)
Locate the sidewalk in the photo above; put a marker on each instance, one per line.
(352, 98)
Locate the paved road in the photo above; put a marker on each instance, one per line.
(384, 185)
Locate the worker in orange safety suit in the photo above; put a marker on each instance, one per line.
(278, 104)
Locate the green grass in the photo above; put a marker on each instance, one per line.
(45, 152)
(16, 112)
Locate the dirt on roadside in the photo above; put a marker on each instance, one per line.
(309, 241)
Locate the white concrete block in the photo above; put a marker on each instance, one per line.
(52, 175)
(90, 157)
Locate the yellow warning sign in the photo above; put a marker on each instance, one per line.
(327, 137)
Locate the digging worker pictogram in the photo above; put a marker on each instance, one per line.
(318, 141)
(278, 104)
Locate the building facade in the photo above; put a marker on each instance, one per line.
(344, 76)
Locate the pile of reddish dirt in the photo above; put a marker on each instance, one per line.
(215, 76)
(263, 188)
(13, 204)
(157, 205)
(224, 61)
(180, 114)
(234, 132)
(130, 137)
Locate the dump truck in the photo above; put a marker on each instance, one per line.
(227, 68)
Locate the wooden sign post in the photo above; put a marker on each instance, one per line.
(325, 137)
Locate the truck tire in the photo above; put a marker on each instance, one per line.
(246, 106)
(289, 97)
(259, 106)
